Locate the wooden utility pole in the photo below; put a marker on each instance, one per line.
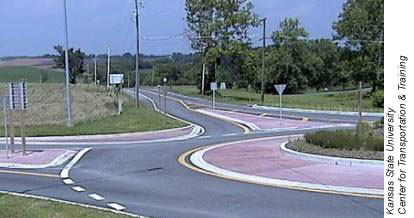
(263, 58)
(137, 76)
(359, 109)
(109, 66)
(95, 69)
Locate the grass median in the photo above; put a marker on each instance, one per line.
(20, 207)
(340, 101)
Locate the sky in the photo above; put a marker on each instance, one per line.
(33, 27)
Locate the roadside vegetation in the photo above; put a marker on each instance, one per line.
(341, 101)
(19, 207)
(94, 112)
(368, 144)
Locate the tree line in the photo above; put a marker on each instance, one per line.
(219, 34)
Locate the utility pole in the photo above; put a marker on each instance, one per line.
(109, 66)
(137, 76)
(95, 69)
(263, 57)
(68, 103)
(203, 73)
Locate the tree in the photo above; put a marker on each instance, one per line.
(287, 58)
(361, 27)
(76, 62)
(215, 26)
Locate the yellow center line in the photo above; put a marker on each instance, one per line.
(28, 174)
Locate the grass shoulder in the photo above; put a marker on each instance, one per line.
(340, 101)
(14, 206)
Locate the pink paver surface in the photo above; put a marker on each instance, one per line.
(264, 158)
(267, 122)
(33, 157)
(143, 136)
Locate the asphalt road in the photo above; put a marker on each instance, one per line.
(148, 180)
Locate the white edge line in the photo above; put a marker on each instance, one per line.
(65, 171)
(72, 203)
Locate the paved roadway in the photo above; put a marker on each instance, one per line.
(148, 180)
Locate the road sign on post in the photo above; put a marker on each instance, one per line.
(280, 89)
(116, 79)
(16, 101)
(213, 87)
(223, 86)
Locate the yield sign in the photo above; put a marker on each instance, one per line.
(280, 88)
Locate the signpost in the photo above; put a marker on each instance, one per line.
(15, 101)
(213, 87)
(280, 89)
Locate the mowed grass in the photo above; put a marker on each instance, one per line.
(19, 207)
(29, 74)
(94, 112)
(341, 101)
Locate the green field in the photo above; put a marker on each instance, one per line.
(29, 74)
(19, 207)
(341, 101)
(94, 112)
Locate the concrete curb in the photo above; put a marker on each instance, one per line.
(328, 159)
(197, 159)
(349, 113)
(250, 125)
(254, 127)
(56, 162)
(71, 203)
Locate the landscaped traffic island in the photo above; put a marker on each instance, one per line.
(343, 143)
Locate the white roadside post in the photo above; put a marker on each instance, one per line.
(159, 97)
(280, 89)
(165, 95)
(213, 87)
(223, 87)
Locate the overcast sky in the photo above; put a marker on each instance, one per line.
(32, 27)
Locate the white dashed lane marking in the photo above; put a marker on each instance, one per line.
(204, 137)
(68, 181)
(96, 197)
(231, 134)
(78, 189)
(116, 206)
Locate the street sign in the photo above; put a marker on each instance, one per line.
(280, 88)
(213, 86)
(17, 96)
(116, 79)
(223, 86)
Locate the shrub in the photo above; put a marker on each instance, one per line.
(377, 98)
(347, 140)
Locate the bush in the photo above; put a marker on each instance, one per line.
(377, 98)
(347, 140)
